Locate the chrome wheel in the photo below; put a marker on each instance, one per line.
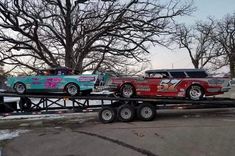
(126, 113)
(72, 89)
(20, 88)
(127, 90)
(107, 114)
(195, 92)
(146, 112)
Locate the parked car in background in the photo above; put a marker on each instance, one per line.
(53, 80)
(189, 83)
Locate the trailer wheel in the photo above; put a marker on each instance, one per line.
(146, 112)
(25, 104)
(107, 114)
(126, 113)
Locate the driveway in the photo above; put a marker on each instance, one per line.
(173, 133)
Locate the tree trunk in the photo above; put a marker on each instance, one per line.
(232, 66)
(69, 61)
(195, 63)
(79, 68)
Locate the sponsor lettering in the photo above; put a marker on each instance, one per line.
(86, 78)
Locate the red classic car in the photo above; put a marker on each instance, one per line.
(189, 83)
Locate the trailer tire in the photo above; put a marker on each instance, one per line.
(25, 104)
(146, 112)
(107, 115)
(126, 113)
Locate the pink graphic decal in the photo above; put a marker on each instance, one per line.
(86, 78)
(52, 82)
(36, 81)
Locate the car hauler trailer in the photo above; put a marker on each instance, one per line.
(109, 107)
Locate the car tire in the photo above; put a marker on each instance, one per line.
(20, 88)
(25, 104)
(72, 89)
(195, 92)
(146, 112)
(126, 113)
(107, 115)
(127, 90)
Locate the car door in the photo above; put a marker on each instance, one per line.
(53, 81)
(152, 82)
(37, 82)
(169, 86)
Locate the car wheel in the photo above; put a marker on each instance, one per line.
(20, 88)
(107, 114)
(126, 113)
(72, 89)
(25, 104)
(146, 112)
(127, 91)
(195, 92)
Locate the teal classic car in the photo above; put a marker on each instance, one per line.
(54, 80)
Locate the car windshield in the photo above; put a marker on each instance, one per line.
(157, 75)
(54, 72)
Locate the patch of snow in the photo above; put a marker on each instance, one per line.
(104, 92)
(33, 117)
(10, 134)
(46, 116)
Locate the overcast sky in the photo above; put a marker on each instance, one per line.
(165, 58)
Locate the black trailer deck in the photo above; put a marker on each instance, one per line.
(110, 106)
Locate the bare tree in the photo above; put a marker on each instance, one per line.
(83, 35)
(225, 39)
(197, 40)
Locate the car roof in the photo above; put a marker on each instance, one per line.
(174, 70)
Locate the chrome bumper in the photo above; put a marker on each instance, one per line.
(106, 88)
(225, 89)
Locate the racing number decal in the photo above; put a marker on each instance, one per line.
(168, 85)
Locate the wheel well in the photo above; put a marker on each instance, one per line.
(18, 82)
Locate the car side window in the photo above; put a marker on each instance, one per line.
(197, 74)
(178, 74)
(159, 75)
